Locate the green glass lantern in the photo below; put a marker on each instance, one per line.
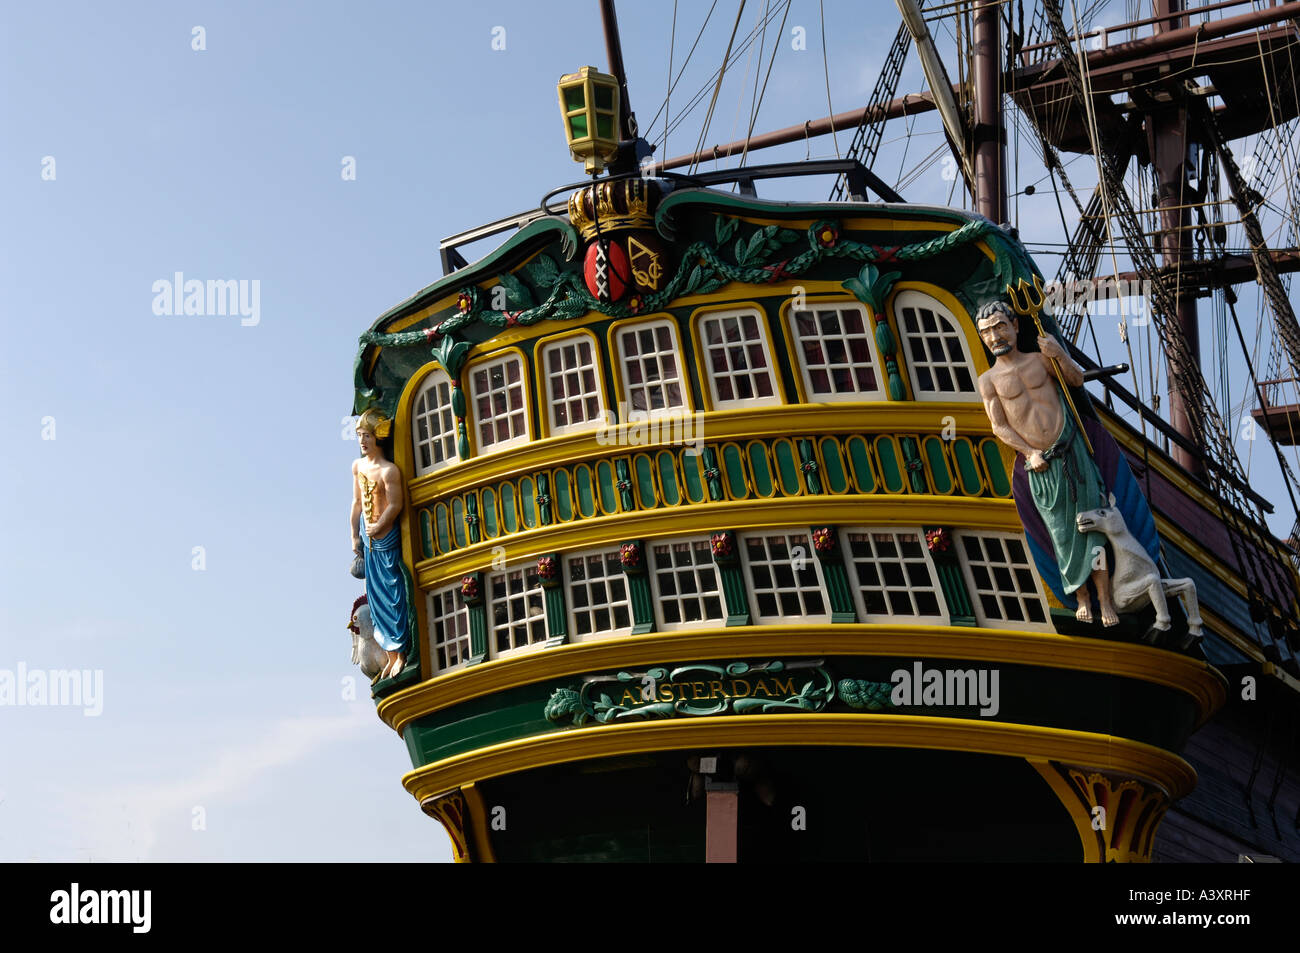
(589, 102)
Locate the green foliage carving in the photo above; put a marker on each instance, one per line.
(768, 254)
(871, 288)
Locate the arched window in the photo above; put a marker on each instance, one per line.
(737, 364)
(499, 403)
(433, 425)
(652, 377)
(571, 370)
(934, 349)
(833, 342)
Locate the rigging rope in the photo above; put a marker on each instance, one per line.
(759, 105)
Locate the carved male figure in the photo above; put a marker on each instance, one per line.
(1029, 413)
(377, 495)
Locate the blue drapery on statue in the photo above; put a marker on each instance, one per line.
(386, 589)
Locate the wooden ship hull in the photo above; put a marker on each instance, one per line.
(714, 556)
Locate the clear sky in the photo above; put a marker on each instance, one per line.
(179, 483)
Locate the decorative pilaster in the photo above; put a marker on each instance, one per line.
(543, 498)
(471, 590)
(913, 464)
(632, 555)
(808, 464)
(624, 484)
(727, 559)
(458, 408)
(938, 539)
(872, 288)
(557, 618)
(826, 544)
(712, 475)
(471, 517)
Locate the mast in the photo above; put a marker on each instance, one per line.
(628, 153)
(989, 134)
(1167, 137)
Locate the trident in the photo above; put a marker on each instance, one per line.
(1027, 301)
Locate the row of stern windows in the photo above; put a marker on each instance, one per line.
(833, 342)
(890, 572)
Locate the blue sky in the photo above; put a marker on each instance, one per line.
(224, 686)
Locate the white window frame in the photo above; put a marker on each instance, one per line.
(516, 438)
(438, 622)
(917, 301)
(530, 587)
(868, 335)
(571, 607)
(706, 350)
(977, 603)
(680, 378)
(660, 598)
(576, 341)
(855, 583)
(443, 436)
(811, 563)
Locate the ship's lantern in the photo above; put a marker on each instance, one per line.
(589, 102)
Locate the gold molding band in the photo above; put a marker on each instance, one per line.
(717, 425)
(1203, 683)
(875, 510)
(1170, 773)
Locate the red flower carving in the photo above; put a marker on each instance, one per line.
(823, 539)
(938, 540)
(723, 544)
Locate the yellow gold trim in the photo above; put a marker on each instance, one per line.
(1204, 683)
(404, 458)
(737, 309)
(962, 512)
(542, 375)
(1102, 752)
(1268, 668)
(1069, 799)
(481, 844)
(815, 420)
(471, 413)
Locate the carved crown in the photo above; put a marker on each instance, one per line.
(617, 206)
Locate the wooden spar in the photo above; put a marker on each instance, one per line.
(908, 105)
(940, 86)
(914, 103)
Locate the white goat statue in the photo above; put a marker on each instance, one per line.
(366, 652)
(1135, 579)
